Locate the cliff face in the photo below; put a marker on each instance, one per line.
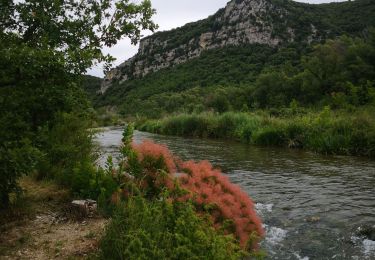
(268, 22)
(240, 22)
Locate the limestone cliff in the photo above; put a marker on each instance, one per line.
(269, 22)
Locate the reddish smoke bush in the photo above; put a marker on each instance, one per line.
(208, 188)
(158, 167)
(148, 148)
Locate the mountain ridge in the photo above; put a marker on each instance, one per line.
(269, 22)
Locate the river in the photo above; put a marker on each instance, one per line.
(312, 205)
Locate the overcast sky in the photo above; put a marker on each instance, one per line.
(171, 14)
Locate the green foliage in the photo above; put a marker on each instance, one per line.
(76, 30)
(34, 89)
(339, 73)
(328, 132)
(335, 72)
(190, 87)
(91, 85)
(67, 142)
(269, 136)
(142, 229)
(15, 161)
(44, 48)
(330, 20)
(106, 117)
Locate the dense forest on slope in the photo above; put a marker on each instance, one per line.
(338, 73)
(252, 76)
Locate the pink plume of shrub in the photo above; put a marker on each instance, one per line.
(207, 186)
(149, 148)
(158, 167)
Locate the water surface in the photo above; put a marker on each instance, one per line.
(311, 205)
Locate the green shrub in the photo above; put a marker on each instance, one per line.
(189, 125)
(16, 159)
(295, 132)
(69, 154)
(269, 136)
(142, 229)
(246, 130)
(68, 141)
(227, 124)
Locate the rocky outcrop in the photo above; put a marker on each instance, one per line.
(240, 22)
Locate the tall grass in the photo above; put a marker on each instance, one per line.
(326, 131)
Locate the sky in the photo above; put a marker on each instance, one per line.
(172, 14)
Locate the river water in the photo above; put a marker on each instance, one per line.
(311, 205)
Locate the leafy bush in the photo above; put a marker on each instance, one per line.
(269, 136)
(142, 229)
(66, 143)
(40, 78)
(68, 158)
(15, 160)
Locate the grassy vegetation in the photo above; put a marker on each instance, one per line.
(326, 131)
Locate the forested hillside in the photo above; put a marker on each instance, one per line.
(337, 73)
(314, 54)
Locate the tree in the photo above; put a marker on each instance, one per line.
(45, 46)
(77, 29)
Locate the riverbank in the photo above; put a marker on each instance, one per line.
(326, 131)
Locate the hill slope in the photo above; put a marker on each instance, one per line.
(229, 49)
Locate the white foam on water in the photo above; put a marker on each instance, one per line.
(369, 247)
(274, 235)
(300, 257)
(261, 209)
